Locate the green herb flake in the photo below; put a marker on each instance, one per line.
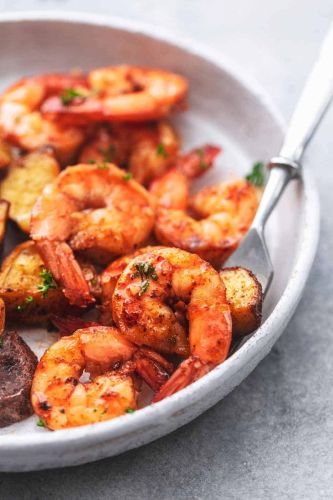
(130, 410)
(257, 174)
(92, 161)
(144, 287)
(94, 281)
(145, 271)
(128, 176)
(47, 284)
(108, 153)
(27, 301)
(70, 94)
(202, 164)
(40, 423)
(161, 151)
(1, 341)
(103, 166)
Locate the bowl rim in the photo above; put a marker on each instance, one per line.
(285, 306)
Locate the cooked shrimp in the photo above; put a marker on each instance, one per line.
(157, 285)
(123, 93)
(197, 161)
(109, 278)
(92, 209)
(61, 398)
(108, 143)
(226, 213)
(22, 123)
(146, 150)
(171, 190)
(153, 150)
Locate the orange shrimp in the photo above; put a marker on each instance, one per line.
(92, 209)
(122, 93)
(148, 293)
(62, 399)
(109, 278)
(225, 212)
(22, 123)
(146, 150)
(171, 190)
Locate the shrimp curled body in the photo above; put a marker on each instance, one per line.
(22, 122)
(225, 213)
(146, 314)
(123, 93)
(62, 399)
(92, 209)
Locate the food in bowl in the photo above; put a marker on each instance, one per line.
(97, 181)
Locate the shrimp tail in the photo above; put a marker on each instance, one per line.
(152, 368)
(69, 324)
(188, 371)
(197, 161)
(60, 260)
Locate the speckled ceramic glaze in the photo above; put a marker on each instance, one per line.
(225, 108)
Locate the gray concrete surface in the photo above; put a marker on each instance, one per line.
(272, 437)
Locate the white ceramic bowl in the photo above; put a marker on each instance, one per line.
(226, 109)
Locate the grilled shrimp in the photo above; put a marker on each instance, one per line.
(155, 294)
(62, 399)
(171, 190)
(123, 93)
(93, 209)
(109, 278)
(22, 123)
(225, 214)
(147, 150)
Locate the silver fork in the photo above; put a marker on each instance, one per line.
(311, 107)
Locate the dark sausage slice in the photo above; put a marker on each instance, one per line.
(17, 367)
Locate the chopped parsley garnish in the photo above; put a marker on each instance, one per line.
(145, 271)
(92, 161)
(161, 151)
(257, 174)
(202, 164)
(28, 300)
(40, 423)
(70, 94)
(108, 153)
(1, 341)
(47, 284)
(128, 176)
(130, 410)
(144, 287)
(93, 281)
(103, 166)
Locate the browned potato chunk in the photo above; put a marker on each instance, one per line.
(244, 294)
(5, 155)
(4, 209)
(28, 289)
(20, 277)
(25, 181)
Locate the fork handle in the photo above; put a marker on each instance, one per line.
(310, 109)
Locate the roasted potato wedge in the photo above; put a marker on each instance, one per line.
(25, 181)
(20, 277)
(4, 210)
(5, 154)
(28, 290)
(244, 294)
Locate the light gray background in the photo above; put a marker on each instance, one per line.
(272, 437)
